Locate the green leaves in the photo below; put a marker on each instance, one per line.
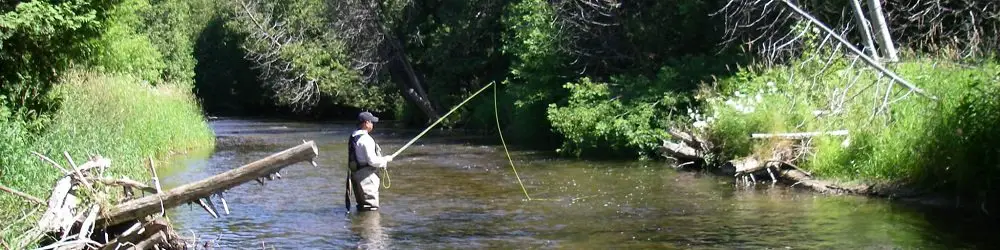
(598, 121)
(38, 40)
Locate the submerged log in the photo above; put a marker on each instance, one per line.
(153, 204)
(803, 179)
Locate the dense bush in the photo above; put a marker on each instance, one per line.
(627, 116)
(595, 122)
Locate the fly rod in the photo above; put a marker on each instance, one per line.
(400, 150)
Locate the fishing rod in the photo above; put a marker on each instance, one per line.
(400, 150)
(496, 114)
(385, 171)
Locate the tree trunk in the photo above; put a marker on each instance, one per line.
(882, 31)
(408, 82)
(865, 29)
(153, 204)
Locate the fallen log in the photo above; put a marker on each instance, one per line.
(680, 151)
(689, 139)
(747, 166)
(153, 204)
(59, 216)
(800, 178)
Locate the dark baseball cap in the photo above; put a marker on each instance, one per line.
(366, 116)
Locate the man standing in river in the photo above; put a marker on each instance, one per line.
(364, 159)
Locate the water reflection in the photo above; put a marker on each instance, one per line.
(368, 227)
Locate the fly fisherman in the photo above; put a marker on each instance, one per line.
(364, 159)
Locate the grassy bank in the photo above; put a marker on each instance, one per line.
(949, 145)
(117, 116)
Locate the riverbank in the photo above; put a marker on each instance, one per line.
(887, 143)
(116, 116)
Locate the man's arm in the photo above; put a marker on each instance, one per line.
(367, 146)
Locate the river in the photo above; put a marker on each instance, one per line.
(455, 191)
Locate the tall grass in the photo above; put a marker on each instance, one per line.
(116, 116)
(950, 145)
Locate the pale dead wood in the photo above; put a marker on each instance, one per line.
(208, 208)
(87, 227)
(26, 196)
(881, 29)
(750, 164)
(793, 166)
(871, 62)
(157, 229)
(225, 206)
(679, 150)
(141, 207)
(864, 28)
(687, 138)
(156, 178)
(796, 136)
(79, 175)
(97, 162)
(53, 163)
(58, 216)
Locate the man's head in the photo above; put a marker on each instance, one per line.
(366, 121)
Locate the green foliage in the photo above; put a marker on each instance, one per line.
(456, 46)
(116, 116)
(314, 56)
(626, 117)
(124, 47)
(38, 40)
(665, 43)
(223, 78)
(537, 69)
(172, 26)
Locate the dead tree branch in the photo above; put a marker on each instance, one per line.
(868, 60)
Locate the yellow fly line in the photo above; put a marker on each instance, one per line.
(496, 114)
(385, 171)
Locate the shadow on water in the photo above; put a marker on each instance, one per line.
(449, 192)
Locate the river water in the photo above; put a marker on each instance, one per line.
(453, 191)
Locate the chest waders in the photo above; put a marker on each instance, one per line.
(362, 179)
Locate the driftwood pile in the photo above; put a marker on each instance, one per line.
(779, 164)
(80, 216)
